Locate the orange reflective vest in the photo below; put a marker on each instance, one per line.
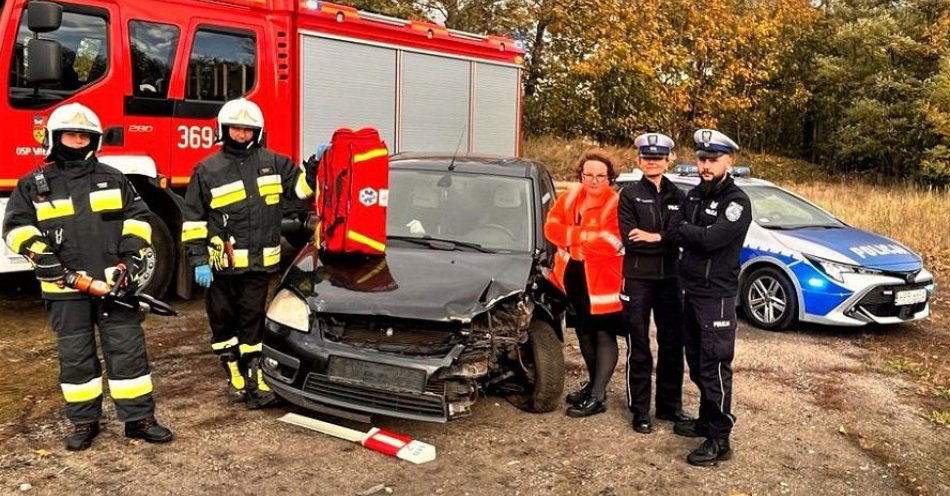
(596, 241)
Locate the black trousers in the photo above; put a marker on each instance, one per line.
(236, 305)
(80, 373)
(710, 340)
(662, 297)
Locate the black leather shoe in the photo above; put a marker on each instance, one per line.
(678, 416)
(149, 430)
(689, 428)
(586, 409)
(579, 396)
(82, 436)
(711, 452)
(642, 425)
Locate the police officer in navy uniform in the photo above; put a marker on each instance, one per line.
(79, 215)
(647, 208)
(717, 215)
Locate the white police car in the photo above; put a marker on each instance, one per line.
(799, 262)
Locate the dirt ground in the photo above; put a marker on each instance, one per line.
(820, 411)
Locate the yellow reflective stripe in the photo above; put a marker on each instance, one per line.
(370, 242)
(241, 259)
(237, 380)
(269, 185)
(261, 385)
(227, 194)
(362, 157)
(53, 209)
(127, 389)
(251, 348)
(302, 189)
(106, 199)
(78, 393)
(53, 288)
(138, 228)
(38, 247)
(221, 345)
(192, 230)
(16, 237)
(271, 256)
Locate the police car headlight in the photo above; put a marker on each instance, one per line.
(837, 270)
(289, 310)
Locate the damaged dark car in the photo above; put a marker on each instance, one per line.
(459, 307)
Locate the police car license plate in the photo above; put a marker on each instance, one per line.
(910, 297)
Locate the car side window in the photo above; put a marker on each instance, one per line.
(153, 48)
(223, 65)
(547, 190)
(84, 38)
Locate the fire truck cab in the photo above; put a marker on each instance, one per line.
(157, 72)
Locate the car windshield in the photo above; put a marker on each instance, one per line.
(486, 212)
(775, 208)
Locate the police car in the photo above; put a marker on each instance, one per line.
(800, 262)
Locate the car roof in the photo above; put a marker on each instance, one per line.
(493, 165)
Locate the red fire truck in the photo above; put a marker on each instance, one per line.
(157, 72)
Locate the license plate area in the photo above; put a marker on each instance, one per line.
(376, 375)
(910, 296)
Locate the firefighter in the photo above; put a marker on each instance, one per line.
(717, 215)
(79, 215)
(646, 209)
(231, 232)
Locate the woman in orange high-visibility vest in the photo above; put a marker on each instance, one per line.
(588, 268)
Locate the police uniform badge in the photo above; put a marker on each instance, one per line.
(733, 211)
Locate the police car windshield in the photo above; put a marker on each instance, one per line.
(493, 212)
(775, 208)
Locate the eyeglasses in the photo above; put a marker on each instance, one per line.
(592, 177)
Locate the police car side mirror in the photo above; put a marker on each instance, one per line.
(44, 17)
(44, 61)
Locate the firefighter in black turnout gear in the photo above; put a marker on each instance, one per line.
(647, 208)
(231, 232)
(76, 214)
(717, 216)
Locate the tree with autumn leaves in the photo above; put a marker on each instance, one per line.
(853, 85)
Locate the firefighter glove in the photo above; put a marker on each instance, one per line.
(203, 275)
(48, 268)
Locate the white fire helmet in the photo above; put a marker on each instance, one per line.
(242, 113)
(73, 117)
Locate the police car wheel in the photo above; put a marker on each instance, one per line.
(769, 299)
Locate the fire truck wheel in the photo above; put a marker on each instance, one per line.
(544, 360)
(159, 260)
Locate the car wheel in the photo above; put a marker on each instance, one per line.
(159, 260)
(543, 362)
(769, 299)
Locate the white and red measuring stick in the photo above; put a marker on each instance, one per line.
(381, 440)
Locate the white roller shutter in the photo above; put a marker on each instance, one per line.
(435, 103)
(496, 109)
(345, 84)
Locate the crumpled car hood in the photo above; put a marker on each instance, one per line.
(408, 282)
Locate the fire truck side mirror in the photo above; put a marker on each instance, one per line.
(44, 17)
(45, 61)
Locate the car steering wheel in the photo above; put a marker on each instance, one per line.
(472, 235)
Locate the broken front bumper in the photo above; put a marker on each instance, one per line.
(308, 370)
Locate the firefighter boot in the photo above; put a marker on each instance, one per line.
(82, 436)
(235, 389)
(711, 452)
(149, 430)
(259, 394)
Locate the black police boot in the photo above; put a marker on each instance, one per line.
(643, 425)
(579, 396)
(677, 416)
(711, 452)
(258, 394)
(689, 428)
(587, 408)
(149, 430)
(82, 436)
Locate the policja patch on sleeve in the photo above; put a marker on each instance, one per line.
(733, 211)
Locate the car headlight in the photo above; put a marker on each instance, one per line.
(289, 310)
(837, 270)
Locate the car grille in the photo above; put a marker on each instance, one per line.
(880, 302)
(404, 336)
(430, 403)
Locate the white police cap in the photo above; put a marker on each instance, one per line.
(654, 145)
(712, 143)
